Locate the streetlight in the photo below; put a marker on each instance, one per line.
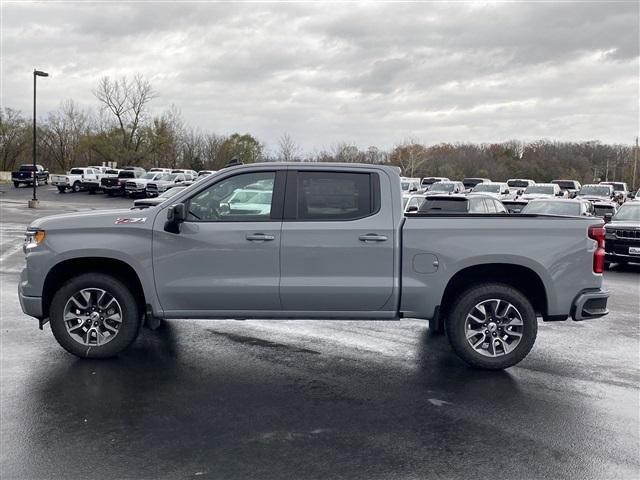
(34, 203)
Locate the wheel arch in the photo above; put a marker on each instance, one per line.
(522, 278)
(67, 269)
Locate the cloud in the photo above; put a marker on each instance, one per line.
(370, 73)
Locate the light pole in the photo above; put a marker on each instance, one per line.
(635, 164)
(34, 202)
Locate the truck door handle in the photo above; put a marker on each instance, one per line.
(372, 237)
(260, 237)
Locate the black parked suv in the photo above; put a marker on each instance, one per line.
(622, 238)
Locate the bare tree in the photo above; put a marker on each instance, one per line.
(410, 156)
(127, 100)
(14, 139)
(289, 149)
(63, 134)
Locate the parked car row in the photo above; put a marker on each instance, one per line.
(515, 193)
(129, 181)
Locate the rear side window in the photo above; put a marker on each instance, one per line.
(476, 205)
(499, 207)
(490, 206)
(444, 206)
(334, 196)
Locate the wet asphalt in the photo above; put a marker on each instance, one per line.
(312, 399)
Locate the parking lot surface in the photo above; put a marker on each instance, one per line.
(312, 399)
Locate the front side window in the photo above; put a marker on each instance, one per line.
(334, 196)
(245, 197)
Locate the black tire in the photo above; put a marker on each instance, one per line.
(16, 184)
(129, 328)
(62, 189)
(76, 187)
(464, 305)
(110, 193)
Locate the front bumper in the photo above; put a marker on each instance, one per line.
(590, 304)
(30, 305)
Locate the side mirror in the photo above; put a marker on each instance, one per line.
(414, 189)
(608, 217)
(560, 194)
(177, 213)
(412, 209)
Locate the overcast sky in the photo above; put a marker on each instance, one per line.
(371, 74)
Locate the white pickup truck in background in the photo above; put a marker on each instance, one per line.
(75, 178)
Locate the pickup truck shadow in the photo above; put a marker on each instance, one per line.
(439, 369)
(224, 408)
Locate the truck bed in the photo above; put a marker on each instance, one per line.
(436, 247)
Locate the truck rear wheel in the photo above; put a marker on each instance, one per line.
(94, 316)
(492, 326)
(62, 189)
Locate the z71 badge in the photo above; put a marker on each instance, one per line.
(121, 221)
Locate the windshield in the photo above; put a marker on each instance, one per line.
(628, 213)
(169, 177)
(127, 174)
(553, 208)
(149, 176)
(565, 185)
(414, 202)
(546, 189)
(471, 182)
(596, 190)
(27, 168)
(441, 205)
(601, 210)
(111, 172)
(618, 187)
(443, 187)
(518, 183)
(514, 207)
(486, 187)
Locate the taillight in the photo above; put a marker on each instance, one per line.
(597, 233)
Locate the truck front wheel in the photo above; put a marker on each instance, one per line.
(62, 189)
(76, 187)
(94, 316)
(492, 326)
(16, 184)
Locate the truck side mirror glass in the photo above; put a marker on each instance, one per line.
(412, 209)
(608, 217)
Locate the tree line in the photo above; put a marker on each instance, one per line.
(122, 130)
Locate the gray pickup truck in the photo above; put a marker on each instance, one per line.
(320, 241)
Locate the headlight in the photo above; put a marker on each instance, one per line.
(33, 238)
